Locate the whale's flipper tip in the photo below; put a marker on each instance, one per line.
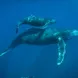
(58, 63)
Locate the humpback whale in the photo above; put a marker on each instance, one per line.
(35, 36)
(36, 22)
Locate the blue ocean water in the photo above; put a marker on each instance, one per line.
(38, 61)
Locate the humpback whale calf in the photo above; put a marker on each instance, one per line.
(35, 36)
(36, 22)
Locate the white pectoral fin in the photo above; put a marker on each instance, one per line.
(61, 51)
(46, 25)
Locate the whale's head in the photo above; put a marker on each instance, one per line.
(69, 34)
(66, 35)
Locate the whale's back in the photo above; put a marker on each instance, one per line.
(38, 36)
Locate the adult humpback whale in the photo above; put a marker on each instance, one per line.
(36, 22)
(46, 36)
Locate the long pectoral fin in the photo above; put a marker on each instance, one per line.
(45, 26)
(61, 50)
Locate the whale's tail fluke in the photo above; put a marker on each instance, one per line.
(6, 51)
(11, 47)
(13, 44)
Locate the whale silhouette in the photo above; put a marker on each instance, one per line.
(35, 36)
(36, 22)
